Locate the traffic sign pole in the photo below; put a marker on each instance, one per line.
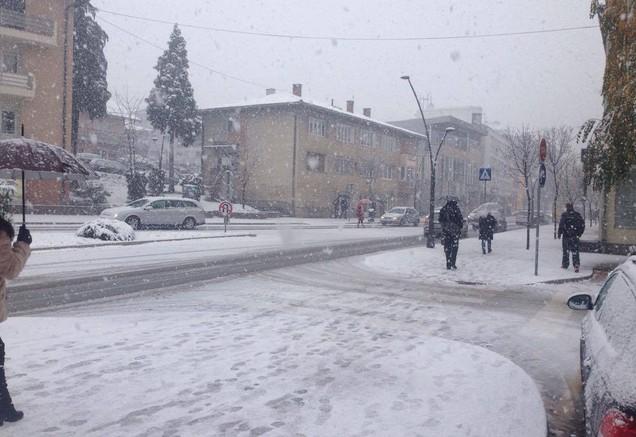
(543, 148)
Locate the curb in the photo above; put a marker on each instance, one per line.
(136, 243)
(566, 280)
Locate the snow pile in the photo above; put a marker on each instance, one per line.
(107, 230)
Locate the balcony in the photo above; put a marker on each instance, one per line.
(27, 28)
(17, 85)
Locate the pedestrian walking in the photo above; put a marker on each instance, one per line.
(452, 221)
(360, 214)
(487, 226)
(571, 227)
(12, 260)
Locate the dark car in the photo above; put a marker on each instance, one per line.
(437, 227)
(493, 208)
(521, 218)
(608, 353)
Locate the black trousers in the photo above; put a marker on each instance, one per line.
(1, 353)
(451, 246)
(485, 242)
(570, 244)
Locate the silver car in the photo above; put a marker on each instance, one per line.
(400, 216)
(159, 212)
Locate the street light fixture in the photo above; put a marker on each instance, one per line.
(430, 235)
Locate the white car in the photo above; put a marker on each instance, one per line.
(159, 212)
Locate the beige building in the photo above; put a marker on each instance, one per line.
(286, 153)
(36, 58)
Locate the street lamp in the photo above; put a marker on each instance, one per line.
(430, 235)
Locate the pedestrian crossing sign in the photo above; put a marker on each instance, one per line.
(485, 174)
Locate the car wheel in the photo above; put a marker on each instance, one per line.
(401, 222)
(415, 223)
(383, 224)
(134, 222)
(189, 223)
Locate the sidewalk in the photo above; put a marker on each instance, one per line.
(509, 263)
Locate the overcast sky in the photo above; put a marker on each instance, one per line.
(541, 80)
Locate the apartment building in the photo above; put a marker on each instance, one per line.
(469, 147)
(287, 153)
(36, 55)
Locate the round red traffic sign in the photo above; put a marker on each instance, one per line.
(543, 149)
(225, 208)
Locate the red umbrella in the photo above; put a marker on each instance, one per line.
(38, 160)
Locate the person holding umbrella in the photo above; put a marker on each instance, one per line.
(12, 260)
(20, 157)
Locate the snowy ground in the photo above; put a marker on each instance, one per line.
(509, 263)
(263, 355)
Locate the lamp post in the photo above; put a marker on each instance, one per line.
(430, 235)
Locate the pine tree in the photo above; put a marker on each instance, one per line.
(171, 106)
(90, 89)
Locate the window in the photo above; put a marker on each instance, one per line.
(388, 171)
(389, 144)
(344, 133)
(8, 122)
(315, 162)
(344, 166)
(159, 204)
(625, 207)
(317, 127)
(9, 62)
(618, 309)
(366, 138)
(402, 173)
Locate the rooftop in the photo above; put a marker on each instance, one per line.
(282, 99)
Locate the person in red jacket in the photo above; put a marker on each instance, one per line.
(12, 260)
(360, 214)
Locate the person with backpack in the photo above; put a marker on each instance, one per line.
(487, 226)
(452, 222)
(12, 260)
(571, 227)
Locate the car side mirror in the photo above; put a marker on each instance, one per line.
(580, 302)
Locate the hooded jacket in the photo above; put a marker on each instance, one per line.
(12, 260)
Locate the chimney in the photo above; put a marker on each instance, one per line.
(366, 112)
(350, 106)
(297, 89)
(270, 91)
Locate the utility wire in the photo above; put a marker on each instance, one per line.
(205, 67)
(348, 38)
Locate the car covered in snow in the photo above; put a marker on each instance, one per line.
(400, 216)
(608, 353)
(159, 212)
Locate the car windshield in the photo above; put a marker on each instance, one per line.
(222, 217)
(138, 203)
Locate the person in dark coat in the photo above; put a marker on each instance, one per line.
(452, 222)
(487, 226)
(571, 227)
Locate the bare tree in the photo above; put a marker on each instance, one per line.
(573, 182)
(128, 107)
(520, 152)
(560, 154)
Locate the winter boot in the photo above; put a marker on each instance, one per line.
(8, 413)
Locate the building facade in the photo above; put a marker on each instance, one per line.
(36, 58)
(299, 157)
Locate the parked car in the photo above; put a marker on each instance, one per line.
(608, 353)
(159, 212)
(437, 227)
(107, 166)
(493, 208)
(521, 218)
(400, 216)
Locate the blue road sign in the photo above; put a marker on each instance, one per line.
(485, 174)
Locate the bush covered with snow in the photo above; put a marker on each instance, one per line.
(107, 230)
